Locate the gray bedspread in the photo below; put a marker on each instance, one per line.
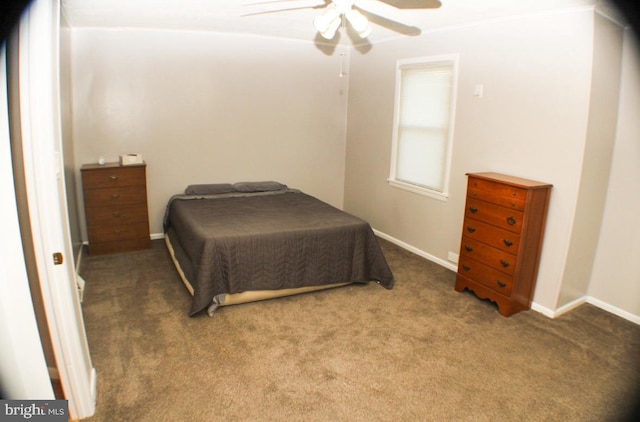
(272, 240)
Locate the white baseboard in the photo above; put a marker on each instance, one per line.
(561, 310)
(591, 300)
(614, 310)
(449, 265)
(157, 236)
(550, 313)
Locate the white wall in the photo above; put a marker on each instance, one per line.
(205, 108)
(532, 122)
(615, 280)
(66, 122)
(596, 161)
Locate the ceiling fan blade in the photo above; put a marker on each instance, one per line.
(382, 10)
(304, 4)
(257, 3)
(266, 12)
(413, 4)
(395, 26)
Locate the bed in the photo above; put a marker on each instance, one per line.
(235, 243)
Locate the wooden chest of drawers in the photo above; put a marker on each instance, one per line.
(115, 204)
(502, 239)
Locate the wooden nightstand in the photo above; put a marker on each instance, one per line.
(502, 239)
(115, 204)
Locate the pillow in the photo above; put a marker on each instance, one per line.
(258, 186)
(209, 189)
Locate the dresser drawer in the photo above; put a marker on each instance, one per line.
(492, 257)
(115, 215)
(118, 232)
(497, 215)
(485, 275)
(491, 235)
(495, 189)
(497, 198)
(108, 177)
(115, 196)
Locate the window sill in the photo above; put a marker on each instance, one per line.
(429, 193)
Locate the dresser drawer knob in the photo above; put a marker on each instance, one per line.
(468, 248)
(115, 196)
(113, 178)
(501, 284)
(466, 267)
(507, 243)
(504, 263)
(473, 210)
(116, 214)
(471, 229)
(511, 221)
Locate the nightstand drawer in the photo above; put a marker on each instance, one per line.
(110, 176)
(492, 257)
(116, 215)
(115, 196)
(118, 232)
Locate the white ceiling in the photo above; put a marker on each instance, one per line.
(231, 15)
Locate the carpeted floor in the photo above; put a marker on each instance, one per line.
(420, 352)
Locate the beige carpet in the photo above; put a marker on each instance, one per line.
(420, 352)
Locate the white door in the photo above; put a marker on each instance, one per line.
(46, 196)
(23, 369)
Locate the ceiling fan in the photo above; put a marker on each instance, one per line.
(358, 13)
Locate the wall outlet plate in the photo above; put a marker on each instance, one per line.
(453, 257)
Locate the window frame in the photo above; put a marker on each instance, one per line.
(416, 63)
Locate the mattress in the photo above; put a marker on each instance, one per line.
(235, 247)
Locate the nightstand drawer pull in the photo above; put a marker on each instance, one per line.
(113, 178)
(468, 248)
(115, 196)
(511, 221)
(116, 214)
(471, 229)
(466, 267)
(501, 284)
(504, 263)
(507, 243)
(473, 210)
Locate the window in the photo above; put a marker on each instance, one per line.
(423, 125)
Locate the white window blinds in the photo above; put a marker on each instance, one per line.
(423, 124)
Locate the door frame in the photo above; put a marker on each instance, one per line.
(46, 194)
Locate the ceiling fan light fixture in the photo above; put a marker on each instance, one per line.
(326, 21)
(359, 23)
(333, 28)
